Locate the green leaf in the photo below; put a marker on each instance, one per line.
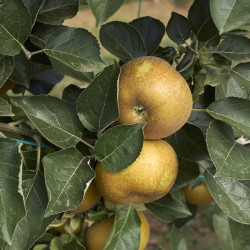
(67, 175)
(189, 143)
(54, 12)
(97, 106)
(230, 158)
(74, 244)
(178, 28)
(120, 146)
(188, 70)
(234, 111)
(125, 233)
(230, 14)
(232, 196)
(5, 108)
(15, 26)
(55, 119)
(21, 73)
(188, 171)
(42, 33)
(177, 240)
(122, 40)
(230, 89)
(73, 50)
(241, 74)
(199, 118)
(6, 67)
(34, 7)
(235, 48)
(33, 225)
(217, 77)
(200, 20)
(151, 30)
(71, 94)
(103, 9)
(231, 234)
(43, 78)
(12, 208)
(170, 207)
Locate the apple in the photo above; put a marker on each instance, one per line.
(152, 91)
(149, 178)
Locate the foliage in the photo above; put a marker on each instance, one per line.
(212, 53)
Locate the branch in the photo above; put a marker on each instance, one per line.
(21, 131)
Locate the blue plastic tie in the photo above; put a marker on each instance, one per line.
(26, 142)
(201, 176)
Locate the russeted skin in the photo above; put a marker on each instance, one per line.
(98, 233)
(199, 195)
(160, 90)
(149, 178)
(91, 197)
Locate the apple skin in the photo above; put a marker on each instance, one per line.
(98, 233)
(152, 91)
(149, 178)
(199, 195)
(91, 197)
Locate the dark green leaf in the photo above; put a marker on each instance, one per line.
(67, 175)
(103, 9)
(241, 74)
(34, 7)
(125, 233)
(234, 111)
(177, 240)
(178, 28)
(170, 207)
(230, 158)
(199, 118)
(230, 14)
(230, 89)
(166, 53)
(56, 119)
(200, 20)
(15, 26)
(5, 108)
(54, 12)
(33, 225)
(43, 78)
(188, 171)
(235, 48)
(21, 73)
(73, 50)
(12, 208)
(71, 94)
(122, 40)
(151, 31)
(188, 69)
(189, 143)
(231, 195)
(6, 67)
(119, 147)
(231, 234)
(41, 34)
(97, 106)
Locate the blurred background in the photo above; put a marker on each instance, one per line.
(198, 232)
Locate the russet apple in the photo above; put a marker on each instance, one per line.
(149, 178)
(152, 91)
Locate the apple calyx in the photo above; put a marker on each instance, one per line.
(140, 111)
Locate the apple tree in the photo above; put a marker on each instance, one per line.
(49, 146)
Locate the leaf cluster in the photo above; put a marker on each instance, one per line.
(49, 145)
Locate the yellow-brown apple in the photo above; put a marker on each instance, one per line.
(152, 91)
(149, 178)
(90, 198)
(98, 233)
(199, 195)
